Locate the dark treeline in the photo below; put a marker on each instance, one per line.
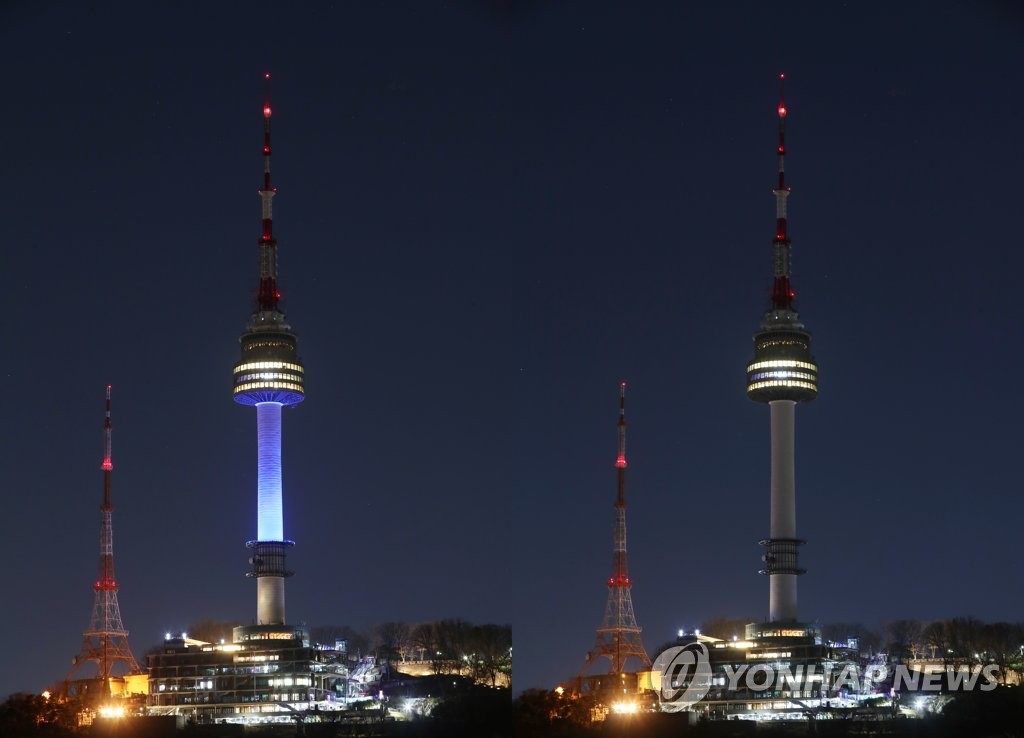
(479, 712)
(449, 646)
(957, 640)
(543, 714)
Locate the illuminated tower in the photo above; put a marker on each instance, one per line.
(782, 373)
(268, 375)
(618, 638)
(106, 640)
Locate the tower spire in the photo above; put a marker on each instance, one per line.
(106, 578)
(108, 465)
(782, 290)
(618, 638)
(106, 640)
(620, 572)
(620, 460)
(268, 294)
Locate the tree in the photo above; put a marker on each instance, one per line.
(1001, 644)
(425, 639)
(358, 643)
(904, 639)
(455, 638)
(965, 638)
(534, 711)
(935, 637)
(24, 715)
(392, 640)
(868, 640)
(211, 631)
(539, 712)
(491, 654)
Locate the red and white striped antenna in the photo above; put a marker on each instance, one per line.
(620, 460)
(782, 289)
(268, 295)
(108, 463)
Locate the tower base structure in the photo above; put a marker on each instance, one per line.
(782, 556)
(768, 655)
(268, 567)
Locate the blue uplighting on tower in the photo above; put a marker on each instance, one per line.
(270, 525)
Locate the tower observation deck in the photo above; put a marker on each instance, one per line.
(782, 367)
(269, 375)
(782, 373)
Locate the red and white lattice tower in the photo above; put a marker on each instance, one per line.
(618, 637)
(106, 640)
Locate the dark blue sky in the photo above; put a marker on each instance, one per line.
(488, 214)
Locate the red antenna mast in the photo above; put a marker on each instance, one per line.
(618, 638)
(782, 290)
(268, 295)
(106, 640)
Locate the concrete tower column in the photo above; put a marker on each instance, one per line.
(782, 587)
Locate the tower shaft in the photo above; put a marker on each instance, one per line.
(270, 519)
(106, 641)
(782, 583)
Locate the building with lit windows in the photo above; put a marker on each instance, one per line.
(806, 675)
(268, 673)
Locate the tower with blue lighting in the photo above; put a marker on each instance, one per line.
(269, 375)
(782, 373)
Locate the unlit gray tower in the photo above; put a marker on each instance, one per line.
(782, 373)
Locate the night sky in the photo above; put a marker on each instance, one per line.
(489, 213)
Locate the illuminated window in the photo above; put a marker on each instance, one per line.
(266, 376)
(268, 385)
(269, 365)
(782, 383)
(782, 363)
(782, 375)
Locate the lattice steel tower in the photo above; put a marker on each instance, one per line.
(269, 375)
(782, 373)
(106, 640)
(618, 638)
